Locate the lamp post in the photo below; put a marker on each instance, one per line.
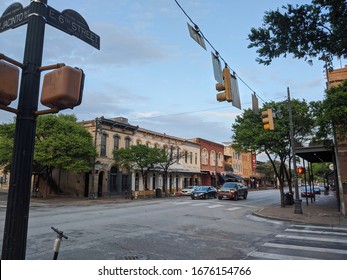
(297, 201)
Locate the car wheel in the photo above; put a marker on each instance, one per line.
(192, 197)
(236, 197)
(215, 195)
(245, 195)
(219, 197)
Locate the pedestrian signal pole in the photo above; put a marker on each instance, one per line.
(297, 200)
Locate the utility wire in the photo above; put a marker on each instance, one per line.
(196, 27)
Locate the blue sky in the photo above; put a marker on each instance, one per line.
(150, 71)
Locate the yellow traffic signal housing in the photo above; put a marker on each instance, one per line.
(301, 170)
(63, 88)
(9, 77)
(268, 120)
(226, 95)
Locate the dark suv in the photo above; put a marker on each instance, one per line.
(233, 190)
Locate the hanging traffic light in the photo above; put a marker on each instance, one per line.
(63, 88)
(226, 95)
(267, 119)
(301, 170)
(9, 77)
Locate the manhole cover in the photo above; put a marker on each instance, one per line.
(135, 257)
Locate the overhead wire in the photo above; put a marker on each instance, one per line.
(196, 27)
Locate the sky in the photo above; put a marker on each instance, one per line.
(150, 71)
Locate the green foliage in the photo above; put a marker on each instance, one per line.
(249, 134)
(7, 132)
(60, 143)
(138, 157)
(307, 31)
(331, 113)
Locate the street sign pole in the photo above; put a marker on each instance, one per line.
(17, 214)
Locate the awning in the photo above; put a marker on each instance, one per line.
(230, 175)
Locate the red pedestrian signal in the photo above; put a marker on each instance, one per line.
(301, 170)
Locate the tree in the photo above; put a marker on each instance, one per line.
(170, 157)
(331, 113)
(139, 157)
(316, 30)
(60, 143)
(249, 135)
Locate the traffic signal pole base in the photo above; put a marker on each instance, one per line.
(297, 206)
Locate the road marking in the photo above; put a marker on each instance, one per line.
(199, 204)
(311, 238)
(277, 256)
(306, 248)
(321, 227)
(215, 206)
(317, 232)
(233, 208)
(180, 203)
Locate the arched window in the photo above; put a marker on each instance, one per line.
(220, 159)
(213, 158)
(204, 156)
(127, 142)
(116, 140)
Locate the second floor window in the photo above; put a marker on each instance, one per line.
(127, 142)
(103, 145)
(116, 140)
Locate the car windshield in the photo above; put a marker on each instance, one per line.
(228, 186)
(201, 188)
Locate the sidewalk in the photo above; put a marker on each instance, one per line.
(321, 212)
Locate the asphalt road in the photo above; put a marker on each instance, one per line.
(177, 228)
(165, 229)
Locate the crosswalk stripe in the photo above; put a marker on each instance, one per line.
(215, 206)
(317, 232)
(321, 227)
(233, 208)
(306, 248)
(311, 238)
(199, 204)
(277, 256)
(181, 203)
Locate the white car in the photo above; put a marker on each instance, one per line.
(188, 190)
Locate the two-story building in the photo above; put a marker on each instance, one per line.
(211, 162)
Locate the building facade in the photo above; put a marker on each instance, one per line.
(211, 162)
(240, 166)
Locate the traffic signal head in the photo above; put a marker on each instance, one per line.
(226, 95)
(267, 119)
(63, 88)
(9, 76)
(301, 170)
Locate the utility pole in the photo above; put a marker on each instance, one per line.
(36, 15)
(17, 214)
(297, 200)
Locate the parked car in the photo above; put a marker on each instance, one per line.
(306, 192)
(204, 192)
(233, 190)
(188, 190)
(317, 190)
